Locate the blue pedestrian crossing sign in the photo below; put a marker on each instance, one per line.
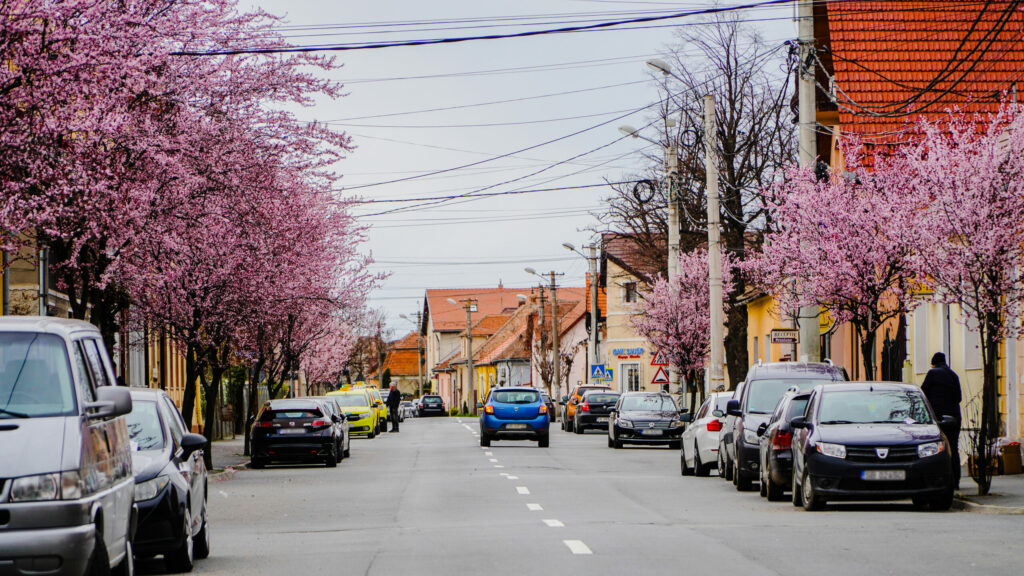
(597, 372)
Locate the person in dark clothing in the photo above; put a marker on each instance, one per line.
(394, 402)
(942, 388)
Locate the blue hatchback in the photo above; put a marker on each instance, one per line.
(514, 414)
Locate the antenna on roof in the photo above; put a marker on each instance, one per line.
(500, 286)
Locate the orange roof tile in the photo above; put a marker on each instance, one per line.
(409, 341)
(449, 317)
(602, 298)
(628, 253)
(884, 52)
(402, 362)
(489, 324)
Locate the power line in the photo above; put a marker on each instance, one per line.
(485, 195)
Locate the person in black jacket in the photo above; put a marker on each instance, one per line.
(942, 388)
(394, 402)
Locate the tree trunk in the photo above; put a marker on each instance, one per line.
(211, 390)
(867, 352)
(988, 428)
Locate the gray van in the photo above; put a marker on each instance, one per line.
(66, 486)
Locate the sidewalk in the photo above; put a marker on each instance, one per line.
(227, 457)
(1005, 497)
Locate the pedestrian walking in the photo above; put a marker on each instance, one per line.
(394, 402)
(942, 388)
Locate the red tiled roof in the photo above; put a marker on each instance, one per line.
(627, 253)
(449, 317)
(885, 51)
(409, 341)
(402, 362)
(602, 298)
(489, 324)
(507, 339)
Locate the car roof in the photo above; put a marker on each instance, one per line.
(644, 393)
(516, 388)
(64, 327)
(870, 386)
(814, 370)
(609, 391)
(146, 393)
(293, 402)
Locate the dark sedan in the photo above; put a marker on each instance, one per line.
(431, 404)
(595, 410)
(170, 482)
(776, 436)
(645, 418)
(294, 430)
(870, 441)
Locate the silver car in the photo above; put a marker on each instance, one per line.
(66, 485)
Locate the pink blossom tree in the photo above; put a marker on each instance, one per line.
(675, 316)
(969, 171)
(845, 244)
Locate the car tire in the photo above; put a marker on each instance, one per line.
(610, 443)
(699, 468)
(485, 440)
(99, 560)
(730, 470)
(942, 503)
(675, 445)
(774, 492)
(576, 428)
(256, 463)
(183, 559)
(348, 451)
(127, 565)
(616, 443)
(543, 442)
(331, 460)
(762, 486)
(683, 468)
(798, 499)
(202, 539)
(811, 501)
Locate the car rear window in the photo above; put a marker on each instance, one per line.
(290, 414)
(764, 395)
(722, 402)
(516, 396)
(429, 400)
(351, 400)
(601, 398)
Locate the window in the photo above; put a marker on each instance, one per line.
(972, 347)
(85, 387)
(174, 420)
(630, 374)
(757, 351)
(921, 357)
(703, 410)
(144, 426)
(515, 396)
(629, 293)
(96, 366)
(649, 403)
(874, 407)
(35, 376)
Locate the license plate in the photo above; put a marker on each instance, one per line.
(293, 431)
(517, 426)
(650, 432)
(883, 475)
(602, 419)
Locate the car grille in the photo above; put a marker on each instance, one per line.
(869, 454)
(861, 485)
(661, 424)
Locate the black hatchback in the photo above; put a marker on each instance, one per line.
(431, 404)
(295, 430)
(594, 410)
(870, 441)
(776, 445)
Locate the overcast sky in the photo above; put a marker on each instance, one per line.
(549, 87)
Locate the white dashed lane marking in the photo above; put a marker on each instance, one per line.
(513, 477)
(534, 507)
(494, 459)
(498, 466)
(552, 523)
(488, 453)
(577, 547)
(522, 490)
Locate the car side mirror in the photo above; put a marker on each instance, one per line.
(110, 401)
(479, 405)
(685, 417)
(798, 423)
(947, 420)
(191, 443)
(684, 410)
(762, 428)
(336, 419)
(565, 399)
(733, 408)
(717, 413)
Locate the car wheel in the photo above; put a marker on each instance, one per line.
(256, 463)
(485, 440)
(773, 491)
(127, 565)
(730, 470)
(675, 445)
(332, 458)
(798, 499)
(699, 468)
(616, 443)
(99, 560)
(684, 469)
(811, 500)
(202, 545)
(543, 441)
(183, 559)
(576, 428)
(610, 443)
(942, 503)
(762, 485)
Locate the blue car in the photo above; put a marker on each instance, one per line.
(514, 414)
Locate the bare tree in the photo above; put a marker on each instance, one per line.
(751, 84)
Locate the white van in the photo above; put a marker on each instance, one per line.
(66, 485)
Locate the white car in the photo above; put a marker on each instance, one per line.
(699, 452)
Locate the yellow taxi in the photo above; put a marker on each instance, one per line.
(357, 404)
(382, 408)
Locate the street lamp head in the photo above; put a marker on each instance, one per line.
(629, 131)
(530, 271)
(403, 316)
(450, 301)
(660, 65)
(569, 246)
(522, 297)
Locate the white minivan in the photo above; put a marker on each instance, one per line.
(66, 484)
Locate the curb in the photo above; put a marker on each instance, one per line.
(967, 505)
(227, 474)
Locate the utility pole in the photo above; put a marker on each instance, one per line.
(470, 305)
(419, 348)
(810, 338)
(592, 340)
(672, 171)
(717, 377)
(556, 350)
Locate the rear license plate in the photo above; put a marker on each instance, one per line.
(517, 426)
(884, 475)
(650, 432)
(602, 419)
(293, 431)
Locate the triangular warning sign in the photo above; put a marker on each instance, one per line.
(659, 359)
(660, 377)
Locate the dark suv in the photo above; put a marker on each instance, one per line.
(752, 405)
(431, 404)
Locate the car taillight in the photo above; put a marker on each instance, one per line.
(782, 441)
(319, 424)
(585, 407)
(489, 409)
(543, 409)
(715, 425)
(264, 424)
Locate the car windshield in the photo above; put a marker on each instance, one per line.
(601, 398)
(144, 426)
(765, 394)
(874, 407)
(653, 402)
(797, 407)
(352, 400)
(516, 396)
(35, 376)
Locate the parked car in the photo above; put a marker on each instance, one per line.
(776, 454)
(645, 418)
(340, 420)
(870, 441)
(382, 409)
(432, 404)
(753, 402)
(408, 410)
(550, 404)
(514, 414)
(361, 417)
(699, 452)
(595, 410)
(293, 430)
(67, 493)
(570, 402)
(170, 482)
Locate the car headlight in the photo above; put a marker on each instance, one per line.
(150, 488)
(930, 449)
(675, 424)
(35, 488)
(833, 450)
(624, 423)
(750, 436)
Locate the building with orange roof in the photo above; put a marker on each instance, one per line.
(404, 359)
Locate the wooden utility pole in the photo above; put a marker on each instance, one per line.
(717, 377)
(810, 334)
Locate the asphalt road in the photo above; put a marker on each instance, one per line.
(430, 500)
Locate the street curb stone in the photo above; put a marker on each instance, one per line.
(967, 505)
(227, 474)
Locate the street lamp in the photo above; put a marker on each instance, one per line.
(555, 348)
(592, 336)
(419, 348)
